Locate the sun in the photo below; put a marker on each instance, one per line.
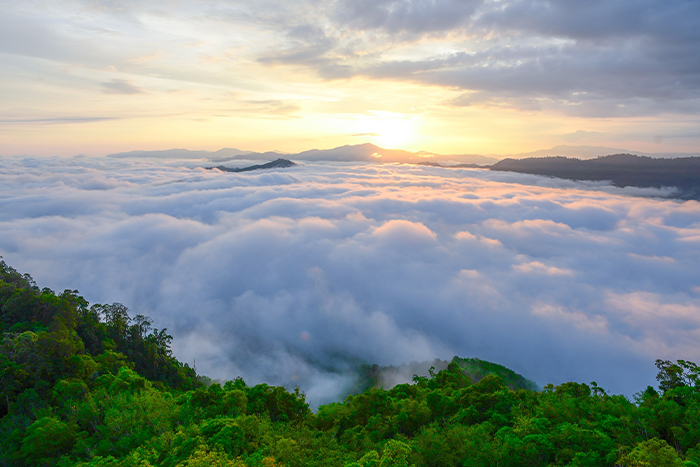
(390, 130)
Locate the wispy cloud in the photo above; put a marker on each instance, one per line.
(120, 86)
(57, 120)
(581, 135)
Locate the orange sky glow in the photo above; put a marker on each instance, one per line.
(452, 77)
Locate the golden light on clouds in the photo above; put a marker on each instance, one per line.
(447, 76)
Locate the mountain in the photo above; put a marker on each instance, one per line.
(456, 166)
(621, 169)
(356, 153)
(375, 376)
(276, 164)
(225, 153)
(368, 152)
(579, 152)
(371, 153)
(585, 152)
(459, 160)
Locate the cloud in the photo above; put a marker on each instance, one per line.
(597, 59)
(586, 323)
(536, 267)
(307, 44)
(403, 234)
(274, 107)
(295, 276)
(581, 135)
(120, 86)
(408, 17)
(57, 120)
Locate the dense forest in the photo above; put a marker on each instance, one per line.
(621, 169)
(88, 385)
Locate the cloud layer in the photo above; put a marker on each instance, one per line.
(293, 276)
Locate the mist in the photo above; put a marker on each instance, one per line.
(295, 276)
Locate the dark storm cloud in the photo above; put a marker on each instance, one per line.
(292, 276)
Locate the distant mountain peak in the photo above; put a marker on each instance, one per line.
(276, 164)
(364, 152)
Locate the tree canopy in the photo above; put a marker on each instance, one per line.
(89, 385)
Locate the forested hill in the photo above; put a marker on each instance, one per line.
(90, 386)
(375, 376)
(622, 169)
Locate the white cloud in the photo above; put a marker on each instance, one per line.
(536, 267)
(293, 276)
(585, 323)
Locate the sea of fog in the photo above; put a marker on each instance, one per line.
(294, 276)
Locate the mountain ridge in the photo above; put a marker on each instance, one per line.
(368, 152)
(621, 169)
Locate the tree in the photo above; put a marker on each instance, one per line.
(673, 375)
(143, 325)
(652, 453)
(395, 454)
(46, 439)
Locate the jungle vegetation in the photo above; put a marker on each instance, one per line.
(89, 385)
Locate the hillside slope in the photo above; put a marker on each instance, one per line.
(90, 386)
(621, 169)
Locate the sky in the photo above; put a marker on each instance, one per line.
(294, 276)
(451, 76)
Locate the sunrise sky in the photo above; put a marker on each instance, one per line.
(450, 76)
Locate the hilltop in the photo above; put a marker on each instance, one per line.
(276, 164)
(87, 385)
(621, 169)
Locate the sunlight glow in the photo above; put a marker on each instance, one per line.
(390, 130)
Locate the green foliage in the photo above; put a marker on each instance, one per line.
(46, 439)
(85, 385)
(477, 369)
(679, 374)
(395, 454)
(653, 452)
